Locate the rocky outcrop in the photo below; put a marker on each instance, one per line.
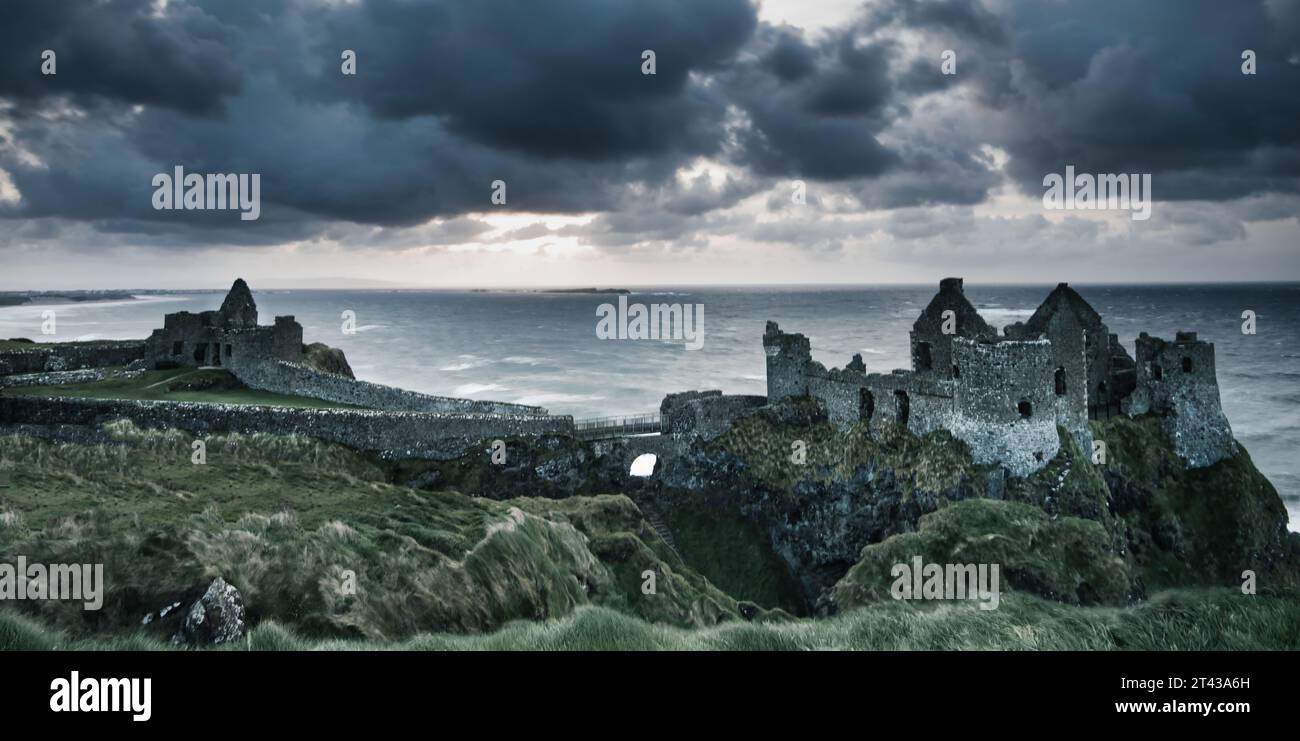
(1067, 559)
(326, 359)
(215, 618)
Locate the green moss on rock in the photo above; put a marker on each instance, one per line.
(1067, 559)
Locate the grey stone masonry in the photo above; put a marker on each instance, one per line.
(298, 380)
(391, 434)
(1176, 381)
(1004, 407)
(931, 345)
(216, 338)
(70, 356)
(1006, 397)
(704, 414)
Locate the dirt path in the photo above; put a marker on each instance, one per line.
(166, 381)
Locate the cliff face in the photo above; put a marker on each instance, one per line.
(1143, 520)
(782, 511)
(818, 496)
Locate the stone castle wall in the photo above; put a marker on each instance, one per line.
(705, 414)
(283, 377)
(788, 355)
(851, 395)
(391, 434)
(71, 356)
(1004, 405)
(1177, 381)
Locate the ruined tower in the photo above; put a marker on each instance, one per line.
(1004, 407)
(1176, 381)
(788, 356)
(223, 337)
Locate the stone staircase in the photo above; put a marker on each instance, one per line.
(656, 520)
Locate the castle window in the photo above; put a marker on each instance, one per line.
(1025, 408)
(1157, 372)
(1187, 365)
(866, 405)
(178, 348)
(200, 352)
(923, 360)
(228, 349)
(956, 372)
(1101, 388)
(903, 405)
(1060, 381)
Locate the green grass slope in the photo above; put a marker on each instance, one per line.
(285, 519)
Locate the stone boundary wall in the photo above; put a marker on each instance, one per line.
(60, 378)
(392, 434)
(70, 357)
(282, 377)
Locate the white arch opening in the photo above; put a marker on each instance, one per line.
(644, 465)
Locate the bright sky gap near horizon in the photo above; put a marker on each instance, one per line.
(616, 178)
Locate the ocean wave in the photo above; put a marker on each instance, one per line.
(466, 362)
(470, 389)
(544, 399)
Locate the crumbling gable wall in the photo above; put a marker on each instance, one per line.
(931, 346)
(1074, 327)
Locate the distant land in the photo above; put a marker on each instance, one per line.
(18, 298)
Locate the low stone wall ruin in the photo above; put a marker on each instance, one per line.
(283, 377)
(62, 357)
(392, 434)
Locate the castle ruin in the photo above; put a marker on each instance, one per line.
(270, 358)
(1006, 395)
(217, 338)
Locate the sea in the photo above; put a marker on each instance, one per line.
(542, 348)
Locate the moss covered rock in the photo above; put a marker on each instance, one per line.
(1067, 559)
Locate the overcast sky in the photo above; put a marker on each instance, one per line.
(616, 178)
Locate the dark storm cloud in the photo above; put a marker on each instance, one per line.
(549, 97)
(118, 50)
(548, 79)
(1116, 86)
(450, 97)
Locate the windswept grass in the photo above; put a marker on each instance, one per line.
(291, 522)
(1179, 620)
